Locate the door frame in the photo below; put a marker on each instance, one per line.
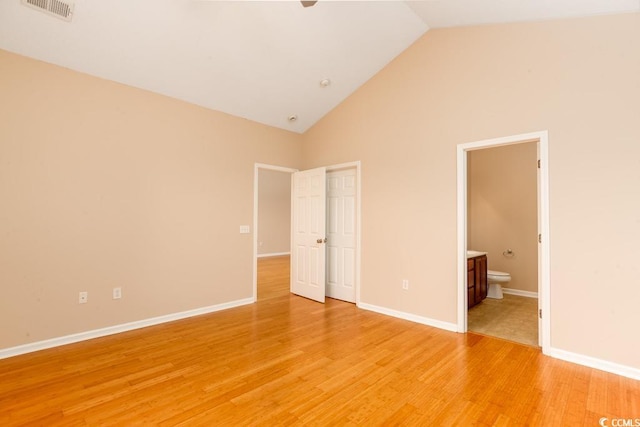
(256, 181)
(544, 278)
(348, 165)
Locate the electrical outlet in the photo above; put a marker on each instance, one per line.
(83, 297)
(405, 284)
(117, 293)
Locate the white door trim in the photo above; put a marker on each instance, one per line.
(256, 169)
(544, 278)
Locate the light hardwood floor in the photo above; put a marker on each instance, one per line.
(289, 361)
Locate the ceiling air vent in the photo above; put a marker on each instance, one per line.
(59, 9)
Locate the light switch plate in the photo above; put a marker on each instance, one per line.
(244, 229)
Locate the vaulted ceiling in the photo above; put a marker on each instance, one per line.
(266, 61)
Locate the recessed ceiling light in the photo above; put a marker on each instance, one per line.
(292, 118)
(325, 82)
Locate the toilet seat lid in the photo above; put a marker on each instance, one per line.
(496, 273)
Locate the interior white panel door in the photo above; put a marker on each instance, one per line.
(341, 235)
(308, 220)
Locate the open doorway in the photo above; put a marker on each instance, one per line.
(272, 228)
(502, 225)
(337, 250)
(502, 256)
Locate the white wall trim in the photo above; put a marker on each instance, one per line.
(410, 317)
(275, 168)
(116, 329)
(592, 362)
(461, 223)
(520, 293)
(340, 166)
(273, 254)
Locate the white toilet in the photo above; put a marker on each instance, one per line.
(496, 279)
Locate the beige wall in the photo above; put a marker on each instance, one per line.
(104, 185)
(274, 212)
(502, 210)
(578, 79)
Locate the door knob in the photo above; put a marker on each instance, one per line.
(322, 240)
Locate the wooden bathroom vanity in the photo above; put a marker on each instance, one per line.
(476, 279)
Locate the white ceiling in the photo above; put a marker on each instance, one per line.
(261, 60)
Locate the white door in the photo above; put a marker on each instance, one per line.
(341, 235)
(308, 224)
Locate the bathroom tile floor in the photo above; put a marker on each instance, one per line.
(513, 318)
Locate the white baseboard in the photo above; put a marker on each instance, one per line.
(410, 317)
(110, 330)
(603, 365)
(273, 254)
(518, 292)
(592, 362)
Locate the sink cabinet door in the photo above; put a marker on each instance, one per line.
(476, 280)
(480, 269)
(471, 280)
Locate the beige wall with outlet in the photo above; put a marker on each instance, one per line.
(274, 212)
(103, 185)
(502, 210)
(578, 79)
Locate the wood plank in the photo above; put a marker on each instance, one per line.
(289, 361)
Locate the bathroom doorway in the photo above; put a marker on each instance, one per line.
(502, 221)
(503, 210)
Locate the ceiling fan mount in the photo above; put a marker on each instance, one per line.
(308, 3)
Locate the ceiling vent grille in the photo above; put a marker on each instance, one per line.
(59, 9)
